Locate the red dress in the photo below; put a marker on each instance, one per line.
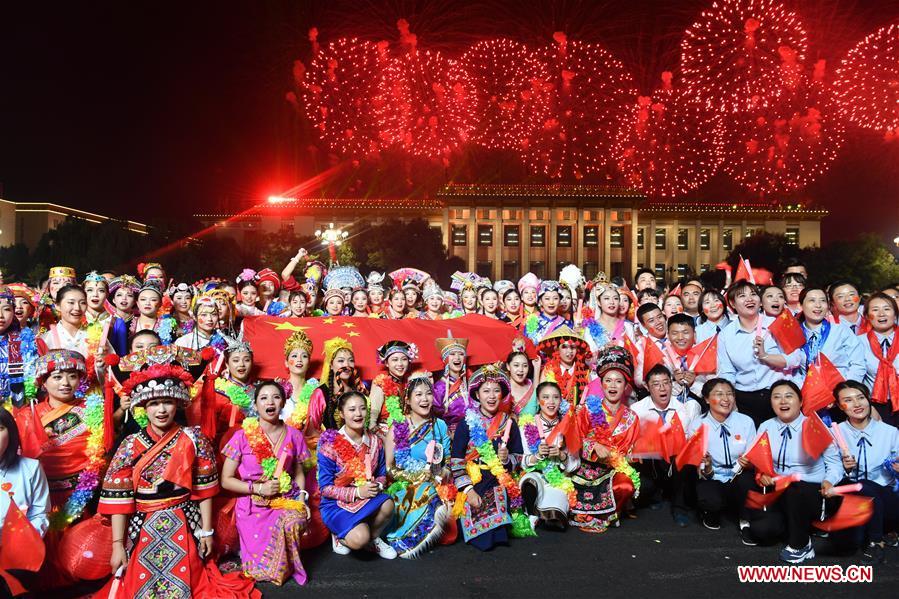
(158, 482)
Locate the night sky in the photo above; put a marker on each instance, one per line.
(135, 109)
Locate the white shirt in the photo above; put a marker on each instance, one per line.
(194, 340)
(738, 363)
(30, 491)
(686, 412)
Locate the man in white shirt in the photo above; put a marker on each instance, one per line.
(659, 479)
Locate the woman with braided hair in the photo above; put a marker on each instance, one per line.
(339, 375)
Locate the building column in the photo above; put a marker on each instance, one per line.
(551, 244)
(650, 239)
(524, 242)
(579, 238)
(498, 245)
(472, 240)
(693, 240)
(446, 228)
(606, 241)
(631, 263)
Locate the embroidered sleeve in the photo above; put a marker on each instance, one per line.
(117, 490)
(233, 448)
(457, 460)
(205, 472)
(516, 451)
(327, 471)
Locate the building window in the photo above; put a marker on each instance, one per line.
(590, 270)
(682, 270)
(538, 236)
(460, 234)
(616, 237)
(511, 272)
(727, 239)
(793, 235)
(484, 269)
(511, 234)
(705, 236)
(591, 236)
(683, 239)
(485, 235)
(641, 238)
(661, 240)
(563, 236)
(539, 269)
(705, 268)
(660, 272)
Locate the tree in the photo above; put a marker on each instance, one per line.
(396, 244)
(867, 261)
(764, 250)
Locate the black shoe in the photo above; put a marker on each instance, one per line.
(873, 554)
(746, 534)
(711, 520)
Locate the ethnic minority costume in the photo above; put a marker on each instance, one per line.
(539, 325)
(341, 465)
(158, 481)
(475, 465)
(604, 486)
(18, 354)
(420, 515)
(270, 532)
(296, 414)
(392, 389)
(451, 397)
(571, 380)
(322, 413)
(553, 492)
(526, 404)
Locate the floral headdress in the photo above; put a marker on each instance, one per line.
(488, 373)
(159, 372)
(95, 277)
(299, 340)
(410, 350)
(59, 359)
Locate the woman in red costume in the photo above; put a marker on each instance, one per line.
(158, 491)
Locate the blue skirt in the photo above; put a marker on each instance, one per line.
(340, 521)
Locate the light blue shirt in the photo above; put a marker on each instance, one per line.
(872, 363)
(790, 458)
(727, 441)
(870, 447)
(738, 363)
(843, 348)
(707, 329)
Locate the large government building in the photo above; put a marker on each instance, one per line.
(503, 231)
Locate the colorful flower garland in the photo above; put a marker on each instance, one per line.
(297, 418)
(235, 393)
(392, 393)
(354, 467)
(599, 421)
(262, 450)
(165, 328)
(413, 468)
(521, 526)
(89, 478)
(530, 325)
(550, 469)
(28, 351)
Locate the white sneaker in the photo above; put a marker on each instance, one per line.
(338, 547)
(383, 549)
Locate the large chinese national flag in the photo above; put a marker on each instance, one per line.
(489, 340)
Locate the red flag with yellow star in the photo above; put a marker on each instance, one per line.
(759, 455)
(21, 546)
(815, 436)
(787, 331)
(817, 389)
(489, 340)
(855, 510)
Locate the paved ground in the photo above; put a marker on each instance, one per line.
(648, 556)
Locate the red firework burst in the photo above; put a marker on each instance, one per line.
(590, 97)
(867, 82)
(338, 90)
(741, 54)
(512, 91)
(427, 104)
(670, 144)
(787, 145)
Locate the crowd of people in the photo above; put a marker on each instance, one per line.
(133, 418)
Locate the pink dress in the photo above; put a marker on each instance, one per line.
(269, 538)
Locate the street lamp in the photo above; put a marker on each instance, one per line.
(332, 238)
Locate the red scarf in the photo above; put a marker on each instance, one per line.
(886, 384)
